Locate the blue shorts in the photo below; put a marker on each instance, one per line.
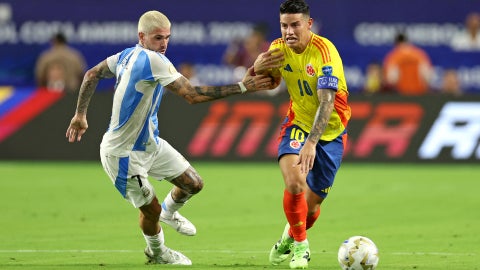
(327, 160)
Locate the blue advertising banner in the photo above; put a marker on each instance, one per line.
(363, 32)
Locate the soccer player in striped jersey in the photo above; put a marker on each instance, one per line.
(131, 149)
(313, 135)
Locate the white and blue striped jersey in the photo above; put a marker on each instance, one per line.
(141, 75)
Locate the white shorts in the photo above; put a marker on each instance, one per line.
(130, 173)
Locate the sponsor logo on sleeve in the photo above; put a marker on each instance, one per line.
(327, 70)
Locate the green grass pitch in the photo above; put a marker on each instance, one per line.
(69, 216)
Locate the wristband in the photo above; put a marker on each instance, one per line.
(242, 87)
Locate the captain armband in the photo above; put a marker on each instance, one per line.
(327, 82)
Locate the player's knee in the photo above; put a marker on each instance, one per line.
(195, 181)
(294, 186)
(197, 186)
(189, 182)
(152, 216)
(151, 211)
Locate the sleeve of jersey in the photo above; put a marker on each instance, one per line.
(112, 62)
(163, 70)
(273, 45)
(330, 68)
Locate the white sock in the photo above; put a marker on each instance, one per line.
(156, 243)
(169, 206)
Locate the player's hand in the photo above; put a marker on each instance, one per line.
(268, 60)
(259, 81)
(78, 126)
(306, 157)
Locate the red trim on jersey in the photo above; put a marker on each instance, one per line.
(278, 41)
(290, 116)
(323, 48)
(342, 108)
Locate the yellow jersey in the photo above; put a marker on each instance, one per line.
(318, 65)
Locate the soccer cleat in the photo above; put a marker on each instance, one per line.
(170, 256)
(281, 250)
(180, 224)
(300, 257)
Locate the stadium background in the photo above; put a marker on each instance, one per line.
(383, 128)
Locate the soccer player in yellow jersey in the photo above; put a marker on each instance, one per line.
(313, 135)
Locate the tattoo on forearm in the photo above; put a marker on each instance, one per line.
(216, 92)
(86, 92)
(89, 85)
(198, 94)
(323, 114)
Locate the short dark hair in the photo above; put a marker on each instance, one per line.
(294, 7)
(400, 38)
(59, 38)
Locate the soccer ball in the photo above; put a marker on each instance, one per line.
(358, 253)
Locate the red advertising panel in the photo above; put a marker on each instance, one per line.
(383, 128)
(386, 128)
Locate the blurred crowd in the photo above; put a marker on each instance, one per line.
(406, 69)
(60, 67)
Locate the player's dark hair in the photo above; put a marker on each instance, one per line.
(294, 7)
(59, 38)
(401, 38)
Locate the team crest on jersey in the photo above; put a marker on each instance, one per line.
(310, 70)
(327, 70)
(295, 144)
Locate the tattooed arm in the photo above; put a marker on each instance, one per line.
(89, 85)
(306, 156)
(198, 94)
(325, 108)
(78, 124)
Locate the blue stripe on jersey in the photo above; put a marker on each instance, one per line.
(131, 98)
(123, 61)
(121, 180)
(144, 135)
(130, 101)
(137, 75)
